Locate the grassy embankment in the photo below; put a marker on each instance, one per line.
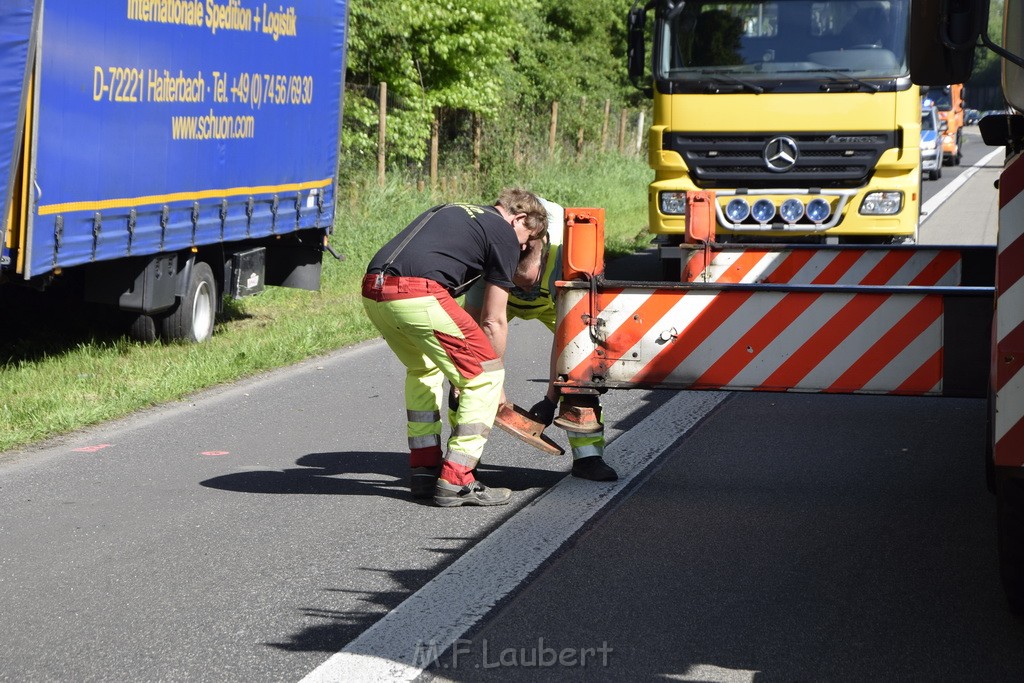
(66, 371)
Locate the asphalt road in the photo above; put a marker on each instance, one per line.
(262, 532)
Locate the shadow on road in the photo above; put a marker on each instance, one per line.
(337, 474)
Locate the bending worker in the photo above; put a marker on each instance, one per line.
(409, 294)
(536, 301)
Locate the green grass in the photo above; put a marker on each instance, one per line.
(64, 368)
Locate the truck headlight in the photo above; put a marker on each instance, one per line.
(763, 210)
(882, 204)
(737, 210)
(672, 203)
(791, 210)
(947, 139)
(818, 210)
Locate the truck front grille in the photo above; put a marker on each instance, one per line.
(823, 160)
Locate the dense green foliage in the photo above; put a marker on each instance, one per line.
(504, 61)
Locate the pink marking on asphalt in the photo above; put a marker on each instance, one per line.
(92, 449)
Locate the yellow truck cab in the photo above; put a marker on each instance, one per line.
(800, 115)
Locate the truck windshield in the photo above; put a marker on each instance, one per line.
(776, 40)
(940, 97)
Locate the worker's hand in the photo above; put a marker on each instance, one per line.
(543, 411)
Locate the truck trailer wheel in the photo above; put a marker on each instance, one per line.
(1010, 528)
(143, 328)
(192, 320)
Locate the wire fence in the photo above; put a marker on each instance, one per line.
(463, 143)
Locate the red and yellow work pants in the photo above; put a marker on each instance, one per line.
(436, 339)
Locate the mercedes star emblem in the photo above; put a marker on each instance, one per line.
(780, 154)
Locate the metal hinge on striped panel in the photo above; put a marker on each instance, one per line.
(601, 332)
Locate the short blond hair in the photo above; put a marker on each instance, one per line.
(517, 200)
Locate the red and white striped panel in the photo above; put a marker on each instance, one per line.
(1009, 332)
(919, 266)
(803, 341)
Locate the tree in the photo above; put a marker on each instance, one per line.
(434, 55)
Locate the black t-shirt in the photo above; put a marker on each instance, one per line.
(458, 243)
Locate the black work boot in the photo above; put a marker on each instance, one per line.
(422, 481)
(593, 468)
(474, 493)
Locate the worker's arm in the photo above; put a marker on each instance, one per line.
(531, 263)
(494, 317)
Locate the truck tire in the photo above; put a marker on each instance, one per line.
(1010, 529)
(671, 269)
(193, 317)
(143, 328)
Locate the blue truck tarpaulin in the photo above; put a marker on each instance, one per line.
(164, 124)
(15, 36)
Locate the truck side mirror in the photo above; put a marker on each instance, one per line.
(1013, 71)
(635, 44)
(1001, 130)
(943, 34)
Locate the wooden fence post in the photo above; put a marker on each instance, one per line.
(604, 125)
(554, 129)
(579, 133)
(622, 130)
(478, 134)
(435, 127)
(640, 132)
(382, 123)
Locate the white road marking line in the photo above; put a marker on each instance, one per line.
(434, 617)
(935, 202)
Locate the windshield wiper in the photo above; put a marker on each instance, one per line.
(721, 77)
(840, 76)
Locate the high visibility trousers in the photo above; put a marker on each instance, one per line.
(436, 339)
(586, 445)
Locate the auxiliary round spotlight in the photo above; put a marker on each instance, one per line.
(737, 210)
(763, 210)
(791, 210)
(818, 210)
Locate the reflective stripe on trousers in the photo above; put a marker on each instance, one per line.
(586, 445)
(435, 338)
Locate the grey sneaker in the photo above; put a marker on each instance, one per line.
(450, 495)
(422, 481)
